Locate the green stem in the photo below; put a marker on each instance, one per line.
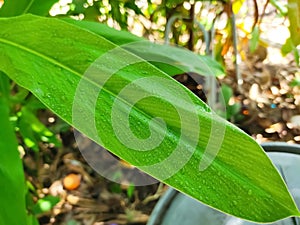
(236, 54)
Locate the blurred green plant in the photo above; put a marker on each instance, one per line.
(38, 207)
(293, 14)
(233, 109)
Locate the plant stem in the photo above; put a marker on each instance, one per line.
(236, 55)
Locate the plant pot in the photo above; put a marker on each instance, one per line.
(175, 208)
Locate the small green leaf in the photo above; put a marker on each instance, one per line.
(27, 132)
(233, 110)
(254, 41)
(279, 6)
(295, 82)
(33, 131)
(294, 15)
(130, 191)
(226, 92)
(290, 47)
(287, 47)
(45, 204)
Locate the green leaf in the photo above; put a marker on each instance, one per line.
(24, 124)
(130, 191)
(92, 13)
(4, 87)
(231, 110)
(32, 220)
(15, 8)
(295, 82)
(290, 47)
(41, 7)
(294, 15)
(254, 41)
(287, 47)
(77, 6)
(118, 37)
(131, 5)
(164, 53)
(278, 5)
(193, 150)
(296, 56)
(45, 204)
(12, 184)
(226, 92)
(33, 131)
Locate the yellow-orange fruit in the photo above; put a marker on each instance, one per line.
(72, 181)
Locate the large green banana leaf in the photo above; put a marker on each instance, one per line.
(139, 113)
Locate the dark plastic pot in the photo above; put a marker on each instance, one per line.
(175, 208)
